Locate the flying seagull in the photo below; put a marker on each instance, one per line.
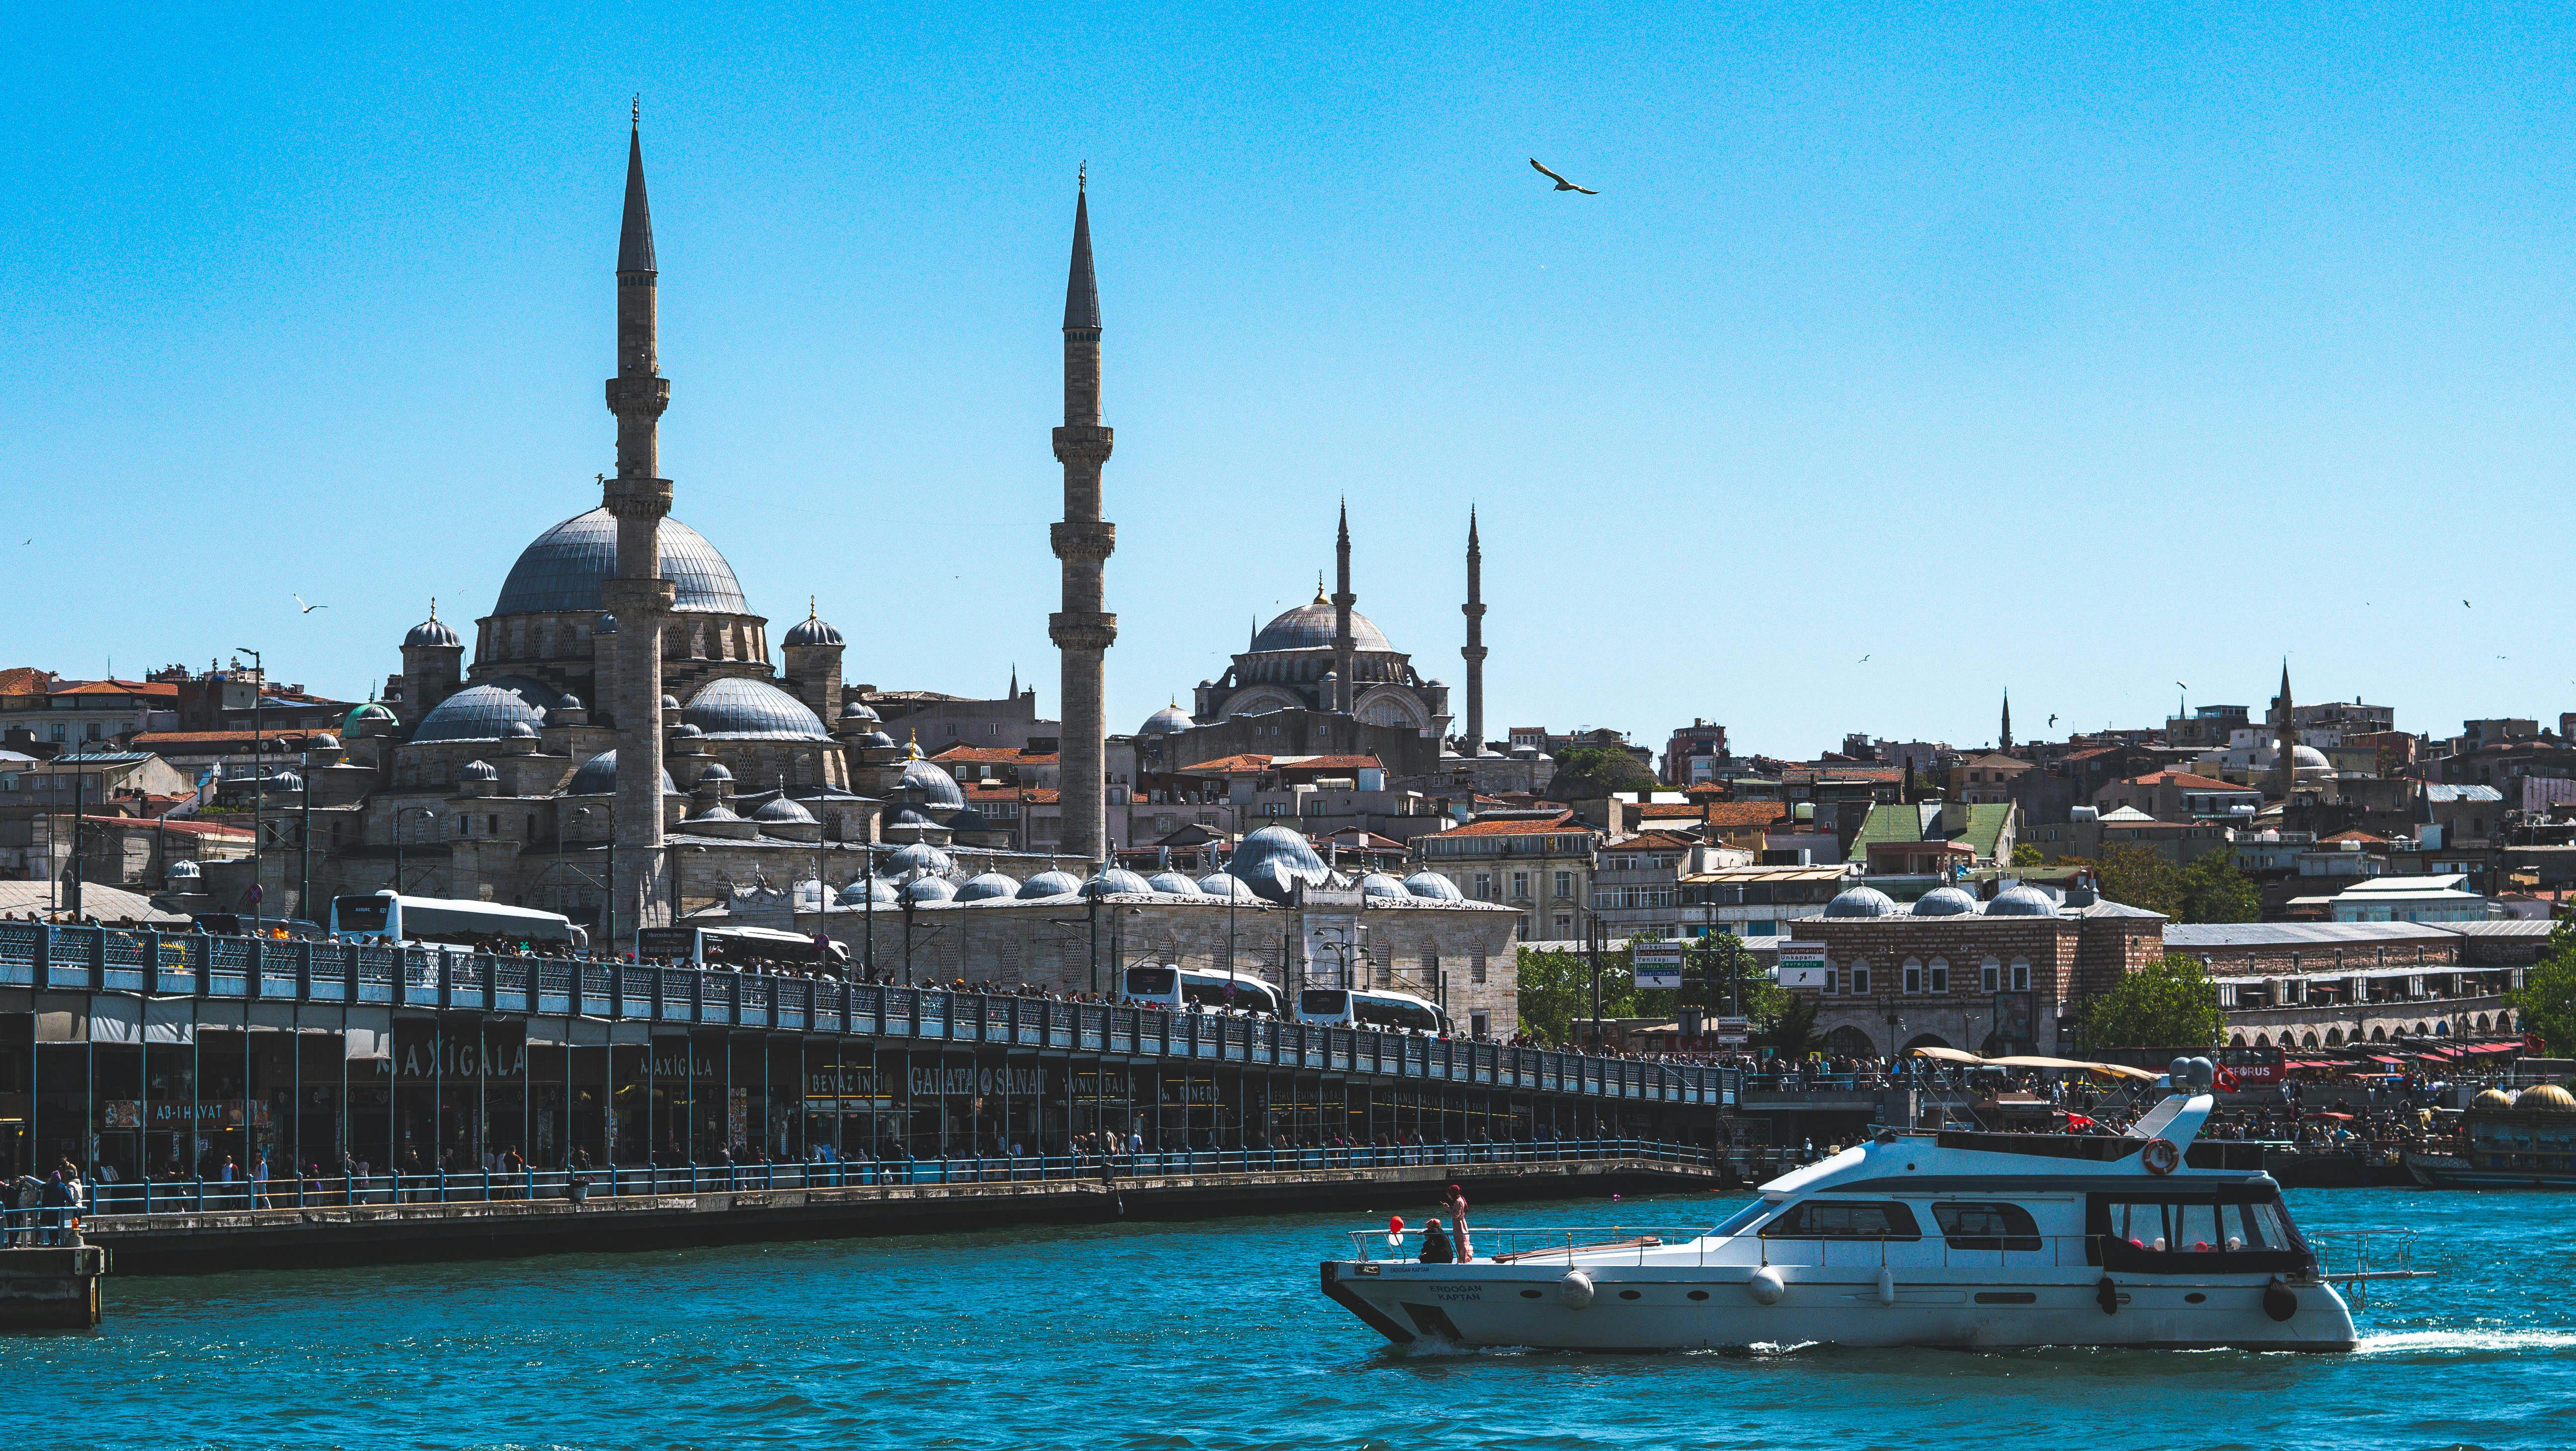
(2052, 722)
(1561, 183)
(1862, 660)
(2464, 604)
(308, 609)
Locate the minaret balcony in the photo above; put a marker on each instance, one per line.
(1092, 539)
(1084, 443)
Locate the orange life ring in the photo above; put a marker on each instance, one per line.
(2160, 1156)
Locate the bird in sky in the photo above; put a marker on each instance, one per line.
(2052, 721)
(2464, 604)
(308, 609)
(1862, 660)
(1561, 183)
(23, 543)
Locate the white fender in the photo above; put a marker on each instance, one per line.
(1886, 1285)
(1767, 1285)
(1575, 1289)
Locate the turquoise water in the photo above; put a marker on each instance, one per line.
(1213, 1334)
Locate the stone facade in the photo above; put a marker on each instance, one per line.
(1976, 981)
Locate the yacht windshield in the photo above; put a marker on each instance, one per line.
(1742, 1219)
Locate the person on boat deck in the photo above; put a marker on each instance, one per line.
(1457, 1207)
(1435, 1245)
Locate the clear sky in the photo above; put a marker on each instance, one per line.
(2066, 349)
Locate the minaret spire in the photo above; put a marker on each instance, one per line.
(1082, 630)
(637, 594)
(1346, 686)
(2286, 740)
(2004, 739)
(1475, 651)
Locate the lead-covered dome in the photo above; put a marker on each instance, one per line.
(478, 713)
(939, 790)
(863, 890)
(1379, 884)
(1945, 902)
(598, 777)
(1174, 884)
(811, 630)
(920, 856)
(1049, 884)
(987, 886)
(730, 708)
(783, 811)
(564, 568)
(433, 634)
(1433, 887)
(1227, 887)
(1310, 627)
(1171, 720)
(1861, 902)
(929, 889)
(1270, 859)
(2022, 901)
(1117, 881)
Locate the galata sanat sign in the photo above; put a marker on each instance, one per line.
(977, 1082)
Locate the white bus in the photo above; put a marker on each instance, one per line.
(1343, 1008)
(415, 921)
(1177, 987)
(751, 949)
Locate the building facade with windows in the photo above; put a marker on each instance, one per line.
(1538, 863)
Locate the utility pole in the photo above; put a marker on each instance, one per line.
(258, 793)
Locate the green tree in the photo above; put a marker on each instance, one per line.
(1791, 1026)
(2213, 890)
(1556, 992)
(2168, 1004)
(2138, 877)
(2547, 998)
(2027, 855)
(1589, 772)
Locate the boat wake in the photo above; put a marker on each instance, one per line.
(2464, 1342)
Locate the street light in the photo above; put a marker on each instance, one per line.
(428, 812)
(258, 717)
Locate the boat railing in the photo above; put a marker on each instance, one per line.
(2356, 1258)
(1614, 1244)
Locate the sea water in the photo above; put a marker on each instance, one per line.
(1214, 1334)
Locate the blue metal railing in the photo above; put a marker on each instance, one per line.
(152, 964)
(198, 1196)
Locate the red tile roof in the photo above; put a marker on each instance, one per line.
(1527, 826)
(160, 689)
(204, 830)
(1229, 765)
(1651, 841)
(2183, 780)
(994, 755)
(1329, 763)
(2365, 838)
(24, 680)
(1745, 813)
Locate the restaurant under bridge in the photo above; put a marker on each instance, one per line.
(134, 1053)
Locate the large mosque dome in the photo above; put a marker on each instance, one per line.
(731, 708)
(565, 567)
(1310, 627)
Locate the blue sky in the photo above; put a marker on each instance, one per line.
(2061, 348)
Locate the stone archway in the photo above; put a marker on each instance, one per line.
(2481, 1023)
(2236, 1042)
(2379, 1035)
(2262, 1040)
(2308, 1041)
(1926, 1040)
(1850, 1042)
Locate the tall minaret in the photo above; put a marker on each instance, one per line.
(1475, 651)
(638, 595)
(1345, 688)
(2004, 740)
(2286, 741)
(1082, 630)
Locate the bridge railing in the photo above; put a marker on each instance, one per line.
(135, 962)
(199, 1196)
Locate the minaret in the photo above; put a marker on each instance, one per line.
(2286, 740)
(2004, 740)
(1475, 651)
(638, 595)
(1082, 630)
(1346, 691)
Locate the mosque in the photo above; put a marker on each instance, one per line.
(621, 748)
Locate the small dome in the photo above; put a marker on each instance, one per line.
(811, 630)
(670, 702)
(970, 819)
(2022, 901)
(477, 713)
(518, 730)
(1379, 884)
(929, 889)
(1227, 885)
(857, 710)
(2487, 1098)
(877, 741)
(784, 812)
(1116, 880)
(1174, 884)
(323, 742)
(606, 625)
(289, 781)
(858, 893)
(908, 816)
(1861, 902)
(920, 856)
(598, 777)
(369, 719)
(938, 789)
(433, 634)
(1434, 886)
(1270, 859)
(477, 771)
(184, 870)
(570, 702)
(986, 887)
(1050, 884)
(1171, 720)
(2547, 1098)
(713, 815)
(732, 708)
(1945, 902)
(715, 771)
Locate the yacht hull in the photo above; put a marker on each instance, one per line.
(1714, 1308)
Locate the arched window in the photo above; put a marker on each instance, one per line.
(2236, 1042)
(2262, 1040)
(2308, 1040)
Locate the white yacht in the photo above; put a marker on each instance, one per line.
(1968, 1239)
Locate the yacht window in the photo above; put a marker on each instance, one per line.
(1742, 1219)
(1823, 1219)
(1987, 1226)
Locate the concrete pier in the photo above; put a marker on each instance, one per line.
(198, 1242)
(51, 1288)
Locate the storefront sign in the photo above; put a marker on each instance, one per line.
(977, 1082)
(1657, 964)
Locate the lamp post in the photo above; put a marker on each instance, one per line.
(258, 718)
(426, 812)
